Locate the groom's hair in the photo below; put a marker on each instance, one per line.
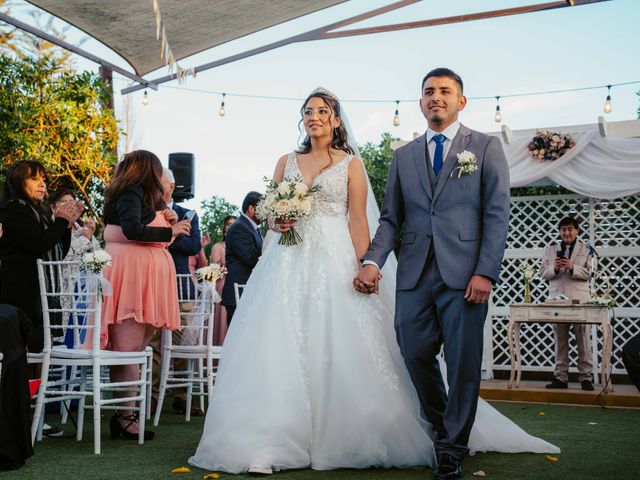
(444, 72)
(251, 199)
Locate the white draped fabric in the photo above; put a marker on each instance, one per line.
(596, 167)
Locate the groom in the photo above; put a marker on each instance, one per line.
(447, 204)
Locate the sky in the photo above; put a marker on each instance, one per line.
(566, 48)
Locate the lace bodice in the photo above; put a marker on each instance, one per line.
(333, 197)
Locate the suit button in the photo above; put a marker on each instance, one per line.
(433, 213)
(428, 236)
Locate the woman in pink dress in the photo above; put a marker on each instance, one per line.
(218, 253)
(139, 227)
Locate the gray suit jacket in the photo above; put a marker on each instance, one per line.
(465, 220)
(575, 286)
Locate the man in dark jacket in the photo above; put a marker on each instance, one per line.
(244, 246)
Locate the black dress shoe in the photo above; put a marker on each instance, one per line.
(180, 405)
(557, 384)
(448, 468)
(587, 385)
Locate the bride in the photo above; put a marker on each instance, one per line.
(311, 374)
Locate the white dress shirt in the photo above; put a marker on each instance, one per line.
(252, 222)
(450, 132)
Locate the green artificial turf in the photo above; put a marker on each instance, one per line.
(597, 444)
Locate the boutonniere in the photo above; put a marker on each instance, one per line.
(467, 164)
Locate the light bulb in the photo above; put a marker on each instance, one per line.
(145, 99)
(498, 117)
(396, 116)
(221, 111)
(607, 103)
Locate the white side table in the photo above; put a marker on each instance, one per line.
(558, 313)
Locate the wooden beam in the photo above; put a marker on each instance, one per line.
(458, 18)
(311, 35)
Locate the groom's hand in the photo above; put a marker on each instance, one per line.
(368, 279)
(478, 290)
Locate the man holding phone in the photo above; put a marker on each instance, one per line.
(567, 266)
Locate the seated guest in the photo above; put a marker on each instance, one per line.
(15, 412)
(82, 241)
(631, 359)
(139, 227)
(568, 268)
(82, 231)
(244, 247)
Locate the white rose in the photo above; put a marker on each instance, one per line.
(282, 207)
(528, 274)
(301, 189)
(283, 188)
(305, 206)
(466, 157)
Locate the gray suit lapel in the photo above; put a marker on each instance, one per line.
(458, 145)
(420, 160)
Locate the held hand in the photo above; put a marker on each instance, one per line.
(69, 211)
(566, 263)
(368, 279)
(282, 225)
(181, 228)
(478, 290)
(170, 216)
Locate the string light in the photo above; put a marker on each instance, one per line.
(145, 99)
(396, 116)
(498, 117)
(607, 103)
(221, 112)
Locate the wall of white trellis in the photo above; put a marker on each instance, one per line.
(612, 227)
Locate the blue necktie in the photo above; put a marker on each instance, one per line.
(438, 157)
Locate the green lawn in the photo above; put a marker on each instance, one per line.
(608, 450)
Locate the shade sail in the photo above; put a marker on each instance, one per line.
(128, 26)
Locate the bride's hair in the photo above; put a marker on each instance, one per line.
(338, 135)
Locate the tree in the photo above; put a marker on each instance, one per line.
(214, 210)
(377, 159)
(61, 120)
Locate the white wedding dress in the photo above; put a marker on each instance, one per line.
(311, 374)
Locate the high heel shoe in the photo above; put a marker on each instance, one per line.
(117, 429)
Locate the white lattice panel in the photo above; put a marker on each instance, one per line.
(613, 227)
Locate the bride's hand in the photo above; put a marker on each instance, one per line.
(282, 225)
(368, 279)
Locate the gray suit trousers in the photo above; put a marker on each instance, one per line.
(428, 316)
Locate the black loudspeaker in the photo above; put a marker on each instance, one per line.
(183, 167)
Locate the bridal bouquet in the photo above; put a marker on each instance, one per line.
(290, 199)
(211, 273)
(95, 261)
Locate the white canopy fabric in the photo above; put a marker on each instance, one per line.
(596, 167)
(129, 27)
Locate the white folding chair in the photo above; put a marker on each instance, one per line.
(237, 291)
(83, 297)
(196, 347)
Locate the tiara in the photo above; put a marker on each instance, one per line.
(326, 92)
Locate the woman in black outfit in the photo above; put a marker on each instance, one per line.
(29, 235)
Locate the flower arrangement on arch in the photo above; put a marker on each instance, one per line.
(290, 199)
(547, 145)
